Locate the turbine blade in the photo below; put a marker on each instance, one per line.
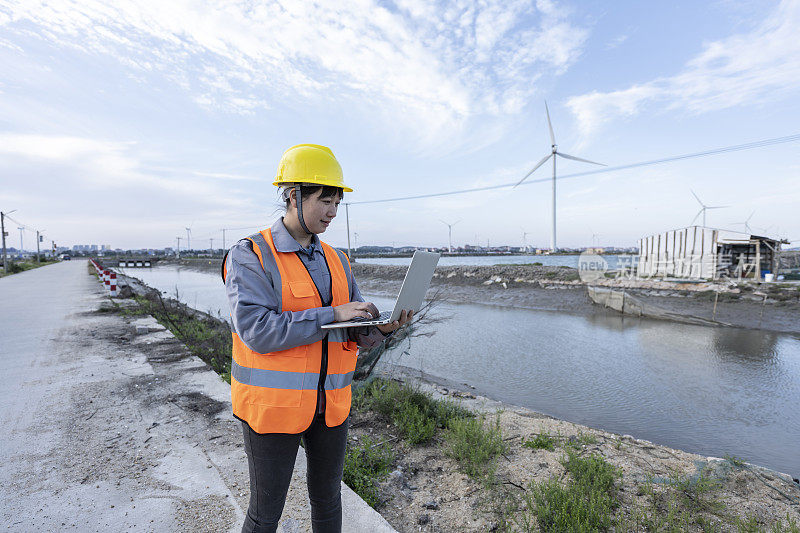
(540, 163)
(695, 217)
(698, 199)
(550, 125)
(716, 206)
(567, 156)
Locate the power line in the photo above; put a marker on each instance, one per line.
(715, 151)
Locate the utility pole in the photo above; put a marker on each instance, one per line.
(3, 231)
(347, 217)
(178, 253)
(38, 240)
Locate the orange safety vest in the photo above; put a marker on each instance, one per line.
(276, 392)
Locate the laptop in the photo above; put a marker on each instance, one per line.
(412, 293)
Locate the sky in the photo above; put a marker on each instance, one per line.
(125, 122)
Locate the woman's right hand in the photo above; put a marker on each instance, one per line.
(351, 310)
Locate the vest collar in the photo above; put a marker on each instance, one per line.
(284, 242)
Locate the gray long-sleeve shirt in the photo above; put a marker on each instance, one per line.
(255, 302)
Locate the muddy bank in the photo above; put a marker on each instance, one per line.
(771, 307)
(751, 305)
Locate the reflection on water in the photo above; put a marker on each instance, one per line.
(546, 260)
(708, 390)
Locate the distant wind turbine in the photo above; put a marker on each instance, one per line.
(746, 223)
(450, 233)
(704, 208)
(553, 153)
(525, 238)
(188, 238)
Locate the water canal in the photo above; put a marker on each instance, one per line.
(711, 391)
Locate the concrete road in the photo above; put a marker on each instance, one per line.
(104, 429)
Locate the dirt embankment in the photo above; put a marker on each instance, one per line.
(659, 489)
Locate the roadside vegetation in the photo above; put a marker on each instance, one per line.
(206, 337)
(15, 267)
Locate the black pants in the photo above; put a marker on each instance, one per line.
(271, 460)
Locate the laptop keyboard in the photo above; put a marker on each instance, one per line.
(383, 316)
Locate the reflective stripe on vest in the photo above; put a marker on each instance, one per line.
(259, 377)
(276, 392)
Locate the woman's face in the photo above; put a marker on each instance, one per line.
(319, 212)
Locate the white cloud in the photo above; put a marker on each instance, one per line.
(108, 165)
(431, 66)
(763, 64)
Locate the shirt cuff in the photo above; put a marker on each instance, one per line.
(325, 316)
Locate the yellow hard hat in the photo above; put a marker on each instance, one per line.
(310, 163)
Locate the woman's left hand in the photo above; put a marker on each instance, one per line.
(405, 316)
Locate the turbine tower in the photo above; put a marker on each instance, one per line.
(188, 239)
(450, 233)
(703, 209)
(553, 153)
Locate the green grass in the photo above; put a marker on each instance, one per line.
(416, 414)
(15, 267)
(207, 338)
(475, 444)
(586, 502)
(542, 441)
(365, 464)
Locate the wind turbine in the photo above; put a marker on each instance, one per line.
(525, 238)
(450, 233)
(553, 153)
(703, 209)
(188, 239)
(746, 223)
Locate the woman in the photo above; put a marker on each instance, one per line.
(290, 379)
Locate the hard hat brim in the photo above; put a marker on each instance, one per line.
(321, 182)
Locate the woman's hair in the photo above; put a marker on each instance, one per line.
(306, 191)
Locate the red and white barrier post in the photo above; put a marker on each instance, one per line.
(113, 284)
(106, 279)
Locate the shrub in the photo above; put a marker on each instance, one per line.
(586, 503)
(415, 413)
(365, 464)
(474, 444)
(542, 441)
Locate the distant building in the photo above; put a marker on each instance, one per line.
(698, 252)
